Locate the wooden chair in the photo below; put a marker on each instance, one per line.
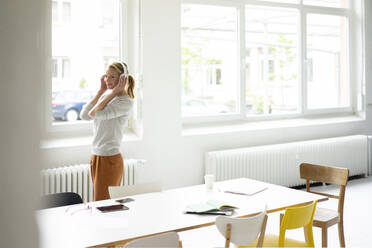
(128, 190)
(168, 240)
(294, 218)
(323, 217)
(242, 231)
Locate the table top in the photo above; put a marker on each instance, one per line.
(158, 212)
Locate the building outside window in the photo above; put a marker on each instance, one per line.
(61, 68)
(61, 11)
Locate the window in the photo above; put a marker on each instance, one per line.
(108, 19)
(54, 68)
(61, 68)
(61, 11)
(209, 77)
(66, 12)
(65, 68)
(295, 59)
(55, 14)
(81, 53)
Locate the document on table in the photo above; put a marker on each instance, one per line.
(243, 188)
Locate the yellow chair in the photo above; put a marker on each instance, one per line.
(295, 217)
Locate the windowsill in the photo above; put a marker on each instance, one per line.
(205, 129)
(53, 143)
(239, 126)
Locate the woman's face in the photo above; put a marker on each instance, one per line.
(112, 78)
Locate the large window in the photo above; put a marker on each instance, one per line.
(266, 58)
(85, 39)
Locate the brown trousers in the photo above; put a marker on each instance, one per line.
(106, 171)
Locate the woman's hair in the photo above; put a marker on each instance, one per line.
(129, 87)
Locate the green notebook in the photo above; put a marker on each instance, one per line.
(210, 206)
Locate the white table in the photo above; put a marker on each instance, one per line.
(155, 213)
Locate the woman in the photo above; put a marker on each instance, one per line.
(110, 111)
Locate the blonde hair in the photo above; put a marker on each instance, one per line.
(129, 87)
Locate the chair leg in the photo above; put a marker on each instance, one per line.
(228, 235)
(262, 234)
(324, 237)
(341, 235)
(306, 236)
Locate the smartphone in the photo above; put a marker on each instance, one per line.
(125, 200)
(112, 208)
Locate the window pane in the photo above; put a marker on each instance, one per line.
(106, 9)
(328, 3)
(66, 12)
(271, 61)
(209, 60)
(81, 55)
(54, 68)
(328, 85)
(65, 68)
(55, 11)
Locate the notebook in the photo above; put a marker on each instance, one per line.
(212, 207)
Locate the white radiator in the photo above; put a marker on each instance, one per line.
(77, 178)
(279, 164)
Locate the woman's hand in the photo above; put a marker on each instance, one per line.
(103, 87)
(119, 88)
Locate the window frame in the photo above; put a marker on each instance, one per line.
(82, 127)
(303, 11)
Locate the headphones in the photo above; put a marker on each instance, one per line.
(125, 73)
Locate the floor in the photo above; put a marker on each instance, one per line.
(357, 220)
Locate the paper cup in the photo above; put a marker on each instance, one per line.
(209, 180)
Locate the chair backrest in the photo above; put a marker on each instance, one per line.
(298, 217)
(242, 231)
(326, 174)
(166, 240)
(128, 190)
(60, 199)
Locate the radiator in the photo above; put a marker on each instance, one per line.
(279, 164)
(77, 178)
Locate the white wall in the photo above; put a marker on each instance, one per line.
(20, 77)
(178, 160)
